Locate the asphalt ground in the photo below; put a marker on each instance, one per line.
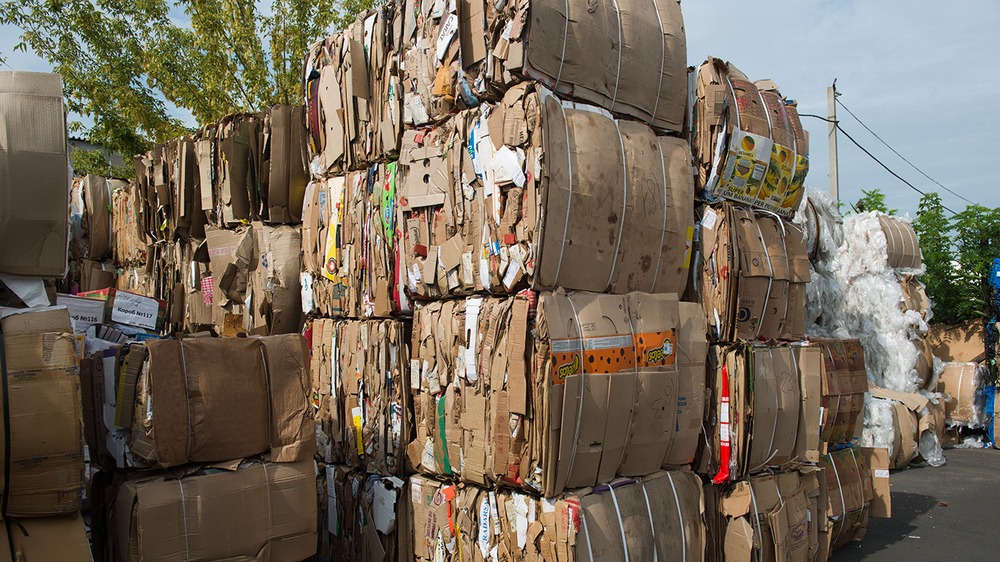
(950, 512)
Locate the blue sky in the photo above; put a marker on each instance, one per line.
(920, 74)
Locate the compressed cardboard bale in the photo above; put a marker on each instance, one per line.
(236, 178)
(753, 272)
(963, 382)
(264, 510)
(44, 412)
(363, 516)
(34, 175)
(62, 538)
(844, 384)
(902, 246)
(231, 256)
(642, 518)
(857, 487)
(598, 397)
(284, 164)
(692, 353)
(764, 408)
(520, 199)
(350, 245)
(95, 276)
(181, 392)
(360, 394)
(959, 343)
(748, 143)
(97, 198)
(354, 111)
(628, 57)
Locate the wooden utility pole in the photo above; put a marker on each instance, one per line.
(831, 105)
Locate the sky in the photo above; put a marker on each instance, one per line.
(919, 73)
(922, 75)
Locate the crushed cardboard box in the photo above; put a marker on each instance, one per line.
(963, 383)
(363, 516)
(902, 245)
(844, 384)
(857, 482)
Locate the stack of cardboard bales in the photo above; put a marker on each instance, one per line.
(773, 469)
(460, 178)
(43, 469)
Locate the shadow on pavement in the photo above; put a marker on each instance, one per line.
(883, 533)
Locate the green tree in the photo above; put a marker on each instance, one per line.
(96, 162)
(977, 242)
(933, 230)
(873, 200)
(124, 63)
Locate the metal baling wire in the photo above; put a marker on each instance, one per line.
(569, 173)
(784, 246)
(649, 512)
(680, 517)
(583, 386)
(756, 516)
(187, 546)
(663, 55)
(187, 397)
(774, 428)
(562, 57)
(770, 278)
(621, 524)
(586, 533)
(618, 73)
(635, 382)
(840, 487)
(621, 222)
(663, 231)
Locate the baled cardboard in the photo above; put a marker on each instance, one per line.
(230, 254)
(184, 390)
(264, 510)
(34, 175)
(274, 297)
(45, 414)
(902, 247)
(959, 343)
(363, 516)
(771, 407)
(768, 518)
(62, 538)
(360, 392)
(858, 487)
(692, 353)
(127, 215)
(95, 276)
(286, 163)
(748, 143)
(962, 382)
(753, 273)
(844, 383)
(512, 200)
(97, 198)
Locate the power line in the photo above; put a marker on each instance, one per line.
(894, 151)
(872, 156)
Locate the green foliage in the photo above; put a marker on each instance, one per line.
(977, 242)
(97, 163)
(125, 64)
(873, 200)
(933, 229)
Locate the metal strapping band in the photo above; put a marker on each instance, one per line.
(569, 198)
(680, 517)
(663, 231)
(621, 524)
(621, 221)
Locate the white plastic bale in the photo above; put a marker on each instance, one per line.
(878, 430)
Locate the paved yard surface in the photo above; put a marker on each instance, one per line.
(946, 513)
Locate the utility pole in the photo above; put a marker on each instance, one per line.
(831, 106)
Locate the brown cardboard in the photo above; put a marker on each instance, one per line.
(902, 246)
(188, 387)
(753, 272)
(365, 517)
(62, 538)
(45, 414)
(293, 429)
(230, 254)
(34, 175)
(95, 276)
(858, 487)
(959, 343)
(287, 164)
(692, 353)
(961, 382)
(274, 298)
(844, 383)
(266, 511)
(97, 198)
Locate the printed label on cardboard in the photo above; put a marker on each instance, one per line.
(762, 173)
(655, 349)
(135, 310)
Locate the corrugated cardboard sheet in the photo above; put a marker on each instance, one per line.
(184, 392)
(62, 538)
(34, 175)
(46, 420)
(600, 396)
(354, 102)
(772, 408)
(844, 383)
(655, 517)
(520, 199)
(961, 381)
(748, 143)
(259, 511)
(858, 487)
(363, 516)
(753, 273)
(360, 392)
